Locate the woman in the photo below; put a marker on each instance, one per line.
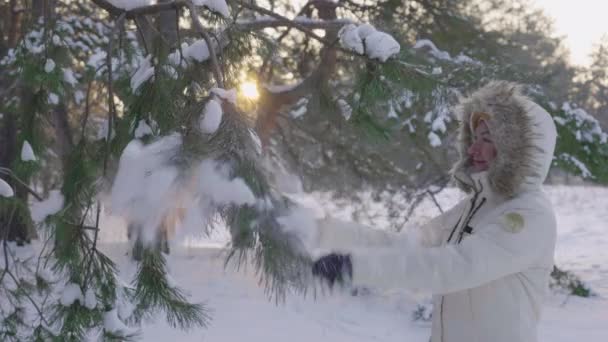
(488, 260)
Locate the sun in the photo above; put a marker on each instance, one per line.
(249, 89)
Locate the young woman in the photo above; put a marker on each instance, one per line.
(487, 260)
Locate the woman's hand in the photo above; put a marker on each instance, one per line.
(333, 267)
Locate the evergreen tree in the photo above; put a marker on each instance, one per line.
(137, 103)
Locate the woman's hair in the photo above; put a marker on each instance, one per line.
(478, 117)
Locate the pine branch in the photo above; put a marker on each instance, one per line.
(10, 173)
(201, 30)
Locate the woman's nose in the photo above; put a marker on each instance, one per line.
(472, 149)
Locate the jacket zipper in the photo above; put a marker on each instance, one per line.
(469, 216)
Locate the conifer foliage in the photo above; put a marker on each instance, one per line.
(150, 110)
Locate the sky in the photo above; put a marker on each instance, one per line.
(582, 22)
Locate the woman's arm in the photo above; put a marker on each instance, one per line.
(336, 235)
(515, 241)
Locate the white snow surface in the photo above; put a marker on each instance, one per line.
(49, 206)
(27, 152)
(5, 189)
(212, 117)
(338, 316)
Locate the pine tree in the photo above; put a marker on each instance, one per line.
(140, 108)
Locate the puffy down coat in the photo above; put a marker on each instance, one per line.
(487, 260)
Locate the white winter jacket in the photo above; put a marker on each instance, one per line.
(488, 260)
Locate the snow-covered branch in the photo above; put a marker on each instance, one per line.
(10, 173)
(311, 24)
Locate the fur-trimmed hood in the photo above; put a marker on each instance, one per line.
(524, 135)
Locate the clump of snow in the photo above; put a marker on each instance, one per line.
(228, 95)
(71, 293)
(49, 65)
(349, 38)
(218, 6)
(256, 141)
(437, 71)
(588, 126)
(142, 74)
(171, 72)
(68, 77)
(52, 98)
(439, 124)
(56, 40)
(144, 181)
(585, 173)
(405, 99)
(300, 108)
(381, 46)
(434, 139)
(464, 59)
(300, 221)
(366, 39)
(27, 152)
(197, 51)
(345, 109)
(90, 300)
(51, 205)
(130, 4)
(5, 189)
(444, 55)
(79, 96)
(114, 325)
(216, 186)
(97, 59)
(392, 114)
(211, 117)
(365, 30)
(142, 129)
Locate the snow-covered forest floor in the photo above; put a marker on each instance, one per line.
(242, 311)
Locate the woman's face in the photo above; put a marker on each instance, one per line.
(482, 151)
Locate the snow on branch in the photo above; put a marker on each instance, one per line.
(444, 55)
(365, 39)
(269, 22)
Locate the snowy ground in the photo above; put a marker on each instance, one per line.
(242, 311)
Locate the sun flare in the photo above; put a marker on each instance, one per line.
(249, 89)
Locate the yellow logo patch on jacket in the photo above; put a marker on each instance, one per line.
(513, 223)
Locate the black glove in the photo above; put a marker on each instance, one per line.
(333, 267)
